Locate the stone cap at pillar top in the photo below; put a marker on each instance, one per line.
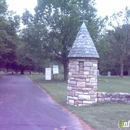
(83, 45)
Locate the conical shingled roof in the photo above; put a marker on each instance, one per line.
(83, 45)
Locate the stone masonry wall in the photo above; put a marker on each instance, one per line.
(82, 82)
(103, 97)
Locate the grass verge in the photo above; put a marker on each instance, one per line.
(100, 116)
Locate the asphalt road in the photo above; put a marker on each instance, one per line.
(25, 106)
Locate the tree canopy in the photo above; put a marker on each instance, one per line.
(8, 37)
(56, 23)
(48, 35)
(117, 41)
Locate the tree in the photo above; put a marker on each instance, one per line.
(9, 24)
(62, 19)
(103, 47)
(119, 38)
(32, 37)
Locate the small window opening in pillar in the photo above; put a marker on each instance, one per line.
(81, 65)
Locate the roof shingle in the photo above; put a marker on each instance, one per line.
(83, 45)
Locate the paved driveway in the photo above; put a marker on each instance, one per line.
(24, 106)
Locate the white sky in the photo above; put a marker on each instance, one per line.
(19, 6)
(105, 7)
(108, 7)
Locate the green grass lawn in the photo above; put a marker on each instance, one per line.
(100, 116)
(114, 84)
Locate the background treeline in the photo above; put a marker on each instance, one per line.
(48, 34)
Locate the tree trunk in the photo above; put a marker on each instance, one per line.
(65, 65)
(22, 71)
(121, 70)
(30, 71)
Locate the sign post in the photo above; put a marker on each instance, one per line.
(47, 73)
(55, 70)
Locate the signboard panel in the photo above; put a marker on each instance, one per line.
(47, 73)
(55, 69)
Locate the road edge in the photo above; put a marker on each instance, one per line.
(84, 125)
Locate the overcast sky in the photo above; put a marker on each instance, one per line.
(104, 7)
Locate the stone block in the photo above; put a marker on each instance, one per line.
(88, 64)
(86, 72)
(72, 82)
(95, 73)
(73, 60)
(95, 88)
(93, 80)
(88, 83)
(113, 99)
(79, 76)
(72, 69)
(87, 79)
(96, 99)
(78, 102)
(91, 72)
(76, 88)
(80, 79)
(95, 65)
(122, 95)
(93, 96)
(100, 95)
(94, 84)
(71, 102)
(114, 95)
(75, 73)
(79, 93)
(109, 95)
(69, 97)
(91, 92)
(84, 97)
(69, 88)
(90, 76)
(88, 102)
(76, 62)
(86, 93)
(72, 66)
(86, 68)
(71, 79)
(127, 96)
(80, 105)
(72, 85)
(86, 89)
(81, 60)
(101, 100)
(93, 60)
(70, 73)
(71, 93)
(81, 84)
(74, 98)
(107, 99)
(77, 68)
(89, 86)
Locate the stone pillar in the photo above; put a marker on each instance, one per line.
(82, 76)
(82, 82)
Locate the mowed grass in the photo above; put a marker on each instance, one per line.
(114, 84)
(100, 116)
